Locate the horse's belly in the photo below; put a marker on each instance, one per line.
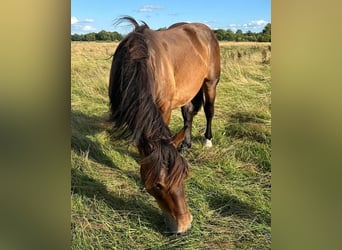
(185, 92)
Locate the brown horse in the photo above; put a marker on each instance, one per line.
(152, 73)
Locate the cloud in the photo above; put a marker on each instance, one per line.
(150, 8)
(88, 28)
(255, 24)
(74, 20)
(81, 26)
(89, 20)
(252, 25)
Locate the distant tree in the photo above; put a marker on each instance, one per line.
(75, 37)
(239, 36)
(250, 36)
(230, 36)
(267, 29)
(83, 37)
(103, 36)
(220, 34)
(265, 35)
(267, 32)
(90, 37)
(115, 36)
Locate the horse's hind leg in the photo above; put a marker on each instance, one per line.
(209, 88)
(189, 111)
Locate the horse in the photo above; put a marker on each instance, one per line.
(152, 73)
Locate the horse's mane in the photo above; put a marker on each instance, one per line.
(134, 110)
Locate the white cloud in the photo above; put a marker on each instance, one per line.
(89, 20)
(149, 8)
(88, 28)
(257, 23)
(254, 24)
(74, 20)
(81, 26)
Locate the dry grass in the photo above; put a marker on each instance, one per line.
(229, 189)
(244, 44)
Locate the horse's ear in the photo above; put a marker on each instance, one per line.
(178, 138)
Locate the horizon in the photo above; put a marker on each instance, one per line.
(88, 16)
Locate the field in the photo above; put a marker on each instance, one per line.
(229, 188)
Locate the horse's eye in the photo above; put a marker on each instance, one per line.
(159, 186)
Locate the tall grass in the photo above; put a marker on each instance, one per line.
(229, 189)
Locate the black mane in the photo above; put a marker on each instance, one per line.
(131, 90)
(133, 108)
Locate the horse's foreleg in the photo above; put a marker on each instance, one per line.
(187, 117)
(210, 94)
(188, 112)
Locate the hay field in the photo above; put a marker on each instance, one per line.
(229, 189)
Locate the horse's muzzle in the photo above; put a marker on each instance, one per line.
(180, 225)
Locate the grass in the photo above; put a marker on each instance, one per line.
(229, 189)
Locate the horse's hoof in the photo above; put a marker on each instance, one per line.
(208, 143)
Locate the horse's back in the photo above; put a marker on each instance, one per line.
(194, 41)
(191, 53)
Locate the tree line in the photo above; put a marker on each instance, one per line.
(100, 36)
(221, 34)
(239, 36)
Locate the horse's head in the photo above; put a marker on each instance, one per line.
(163, 173)
(171, 200)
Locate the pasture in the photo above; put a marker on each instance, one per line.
(229, 188)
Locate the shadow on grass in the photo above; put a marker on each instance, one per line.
(227, 205)
(249, 126)
(254, 133)
(83, 128)
(84, 185)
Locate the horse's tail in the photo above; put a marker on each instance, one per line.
(131, 88)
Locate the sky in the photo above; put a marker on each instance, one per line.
(96, 15)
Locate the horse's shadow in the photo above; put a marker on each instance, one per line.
(229, 205)
(250, 126)
(84, 185)
(85, 127)
(82, 128)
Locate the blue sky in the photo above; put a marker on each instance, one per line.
(96, 15)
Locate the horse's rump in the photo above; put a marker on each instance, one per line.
(182, 57)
